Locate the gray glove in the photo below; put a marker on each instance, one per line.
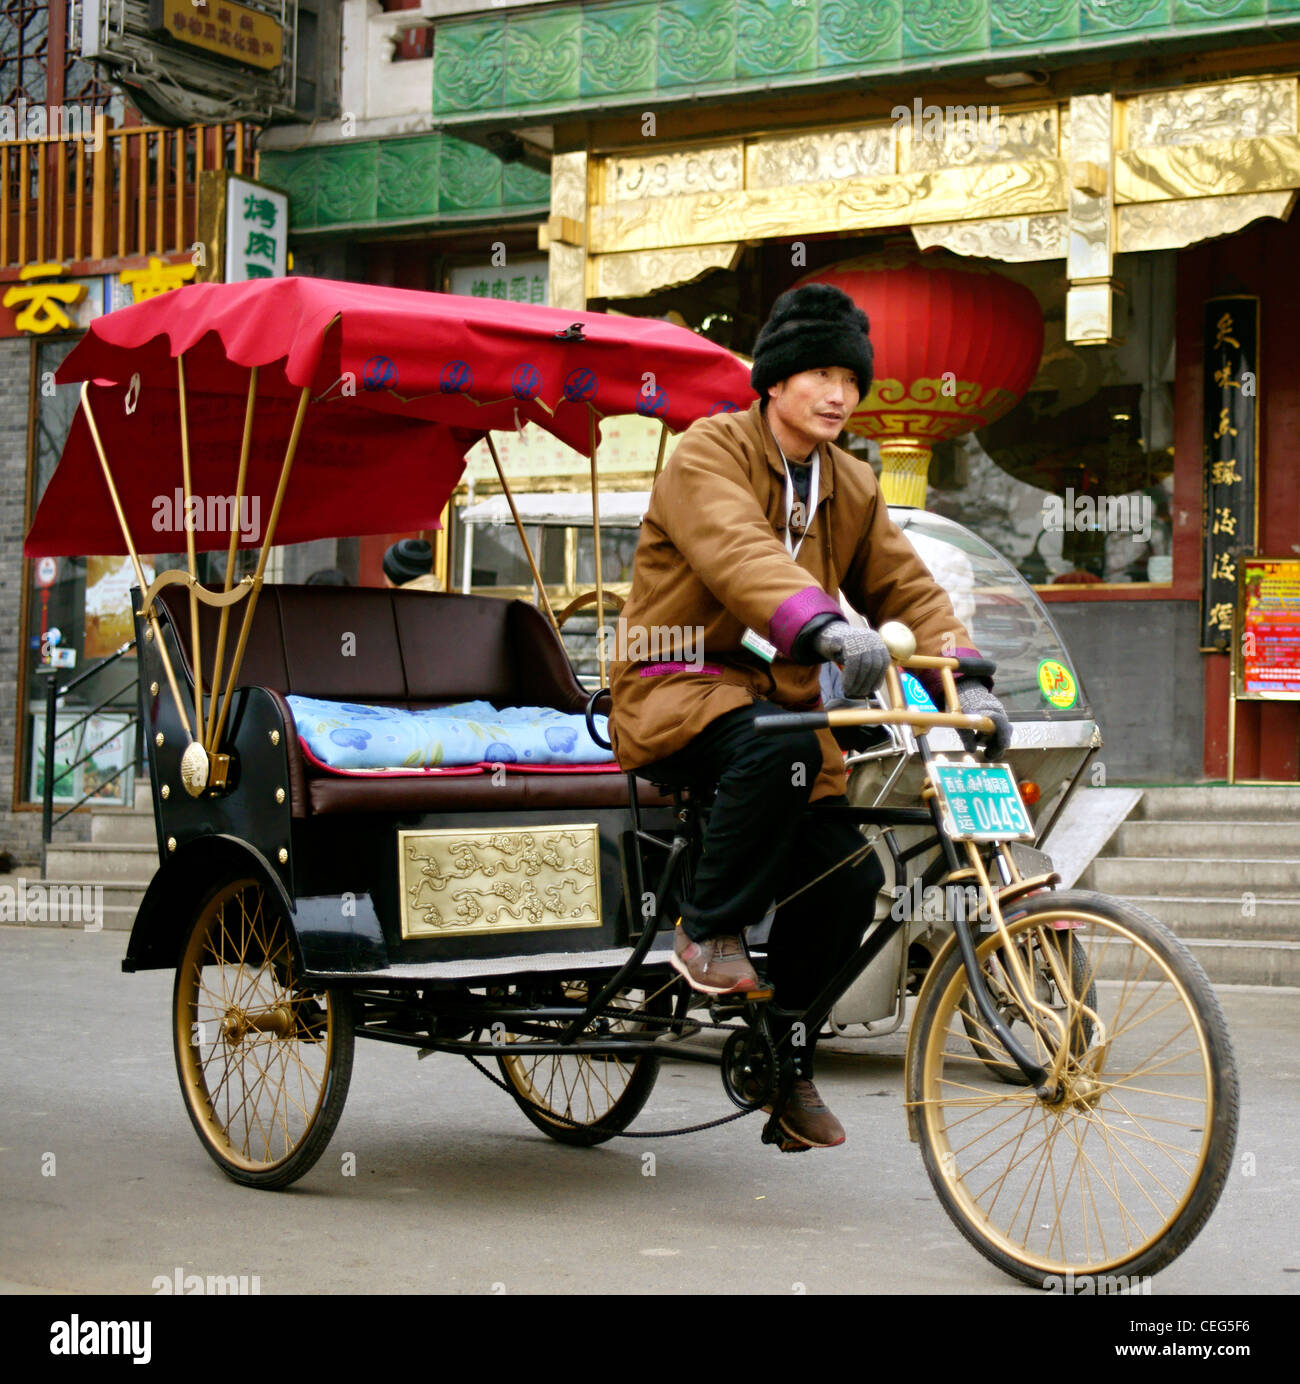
(977, 700)
(860, 652)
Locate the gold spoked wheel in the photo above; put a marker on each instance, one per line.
(264, 1062)
(1119, 1173)
(597, 1095)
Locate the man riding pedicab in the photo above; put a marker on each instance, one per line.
(754, 525)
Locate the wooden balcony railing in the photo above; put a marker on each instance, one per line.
(134, 195)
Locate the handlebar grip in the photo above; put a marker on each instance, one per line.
(976, 667)
(792, 720)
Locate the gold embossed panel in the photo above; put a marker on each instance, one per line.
(456, 881)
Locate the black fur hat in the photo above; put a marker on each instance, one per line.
(810, 327)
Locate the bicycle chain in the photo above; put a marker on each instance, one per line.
(622, 1133)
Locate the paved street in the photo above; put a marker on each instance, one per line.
(455, 1192)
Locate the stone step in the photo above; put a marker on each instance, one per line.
(1219, 803)
(110, 918)
(124, 827)
(1207, 840)
(1131, 875)
(1247, 963)
(97, 862)
(1267, 920)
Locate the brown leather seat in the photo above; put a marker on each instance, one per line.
(409, 648)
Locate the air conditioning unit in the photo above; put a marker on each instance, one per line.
(197, 62)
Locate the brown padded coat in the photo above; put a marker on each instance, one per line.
(712, 557)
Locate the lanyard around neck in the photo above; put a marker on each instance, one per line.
(792, 547)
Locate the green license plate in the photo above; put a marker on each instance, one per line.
(981, 802)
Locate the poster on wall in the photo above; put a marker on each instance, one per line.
(1231, 445)
(107, 738)
(1267, 667)
(108, 622)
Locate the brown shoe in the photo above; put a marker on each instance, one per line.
(807, 1122)
(715, 966)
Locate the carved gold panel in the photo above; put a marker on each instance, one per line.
(1200, 115)
(569, 186)
(1171, 225)
(984, 134)
(1011, 238)
(461, 880)
(786, 160)
(837, 205)
(1091, 219)
(629, 178)
(640, 272)
(568, 286)
(1269, 163)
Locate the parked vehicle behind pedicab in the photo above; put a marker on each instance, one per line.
(388, 814)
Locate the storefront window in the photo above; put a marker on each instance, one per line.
(1075, 484)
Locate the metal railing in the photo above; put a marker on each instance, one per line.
(126, 193)
(49, 778)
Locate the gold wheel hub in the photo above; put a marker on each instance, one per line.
(238, 1023)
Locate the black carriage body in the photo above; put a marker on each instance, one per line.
(330, 845)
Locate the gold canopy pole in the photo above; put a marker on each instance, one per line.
(663, 442)
(148, 611)
(210, 743)
(519, 528)
(190, 558)
(247, 624)
(595, 528)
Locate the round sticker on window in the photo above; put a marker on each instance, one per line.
(1057, 683)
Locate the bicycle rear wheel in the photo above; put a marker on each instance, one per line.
(1119, 1174)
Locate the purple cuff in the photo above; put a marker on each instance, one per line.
(793, 614)
(932, 680)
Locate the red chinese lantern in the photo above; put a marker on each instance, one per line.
(956, 346)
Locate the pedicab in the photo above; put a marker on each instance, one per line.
(389, 814)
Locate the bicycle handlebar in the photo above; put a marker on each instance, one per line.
(901, 643)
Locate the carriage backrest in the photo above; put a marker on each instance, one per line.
(371, 644)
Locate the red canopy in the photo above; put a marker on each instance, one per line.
(402, 383)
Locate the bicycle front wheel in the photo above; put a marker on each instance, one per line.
(1118, 1174)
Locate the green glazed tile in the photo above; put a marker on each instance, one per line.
(697, 42)
(1206, 11)
(1111, 16)
(859, 33)
(469, 178)
(346, 183)
(542, 58)
(525, 187)
(469, 66)
(1283, 6)
(1015, 22)
(294, 173)
(618, 49)
(945, 26)
(775, 36)
(408, 177)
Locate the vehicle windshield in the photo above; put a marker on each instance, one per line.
(1005, 617)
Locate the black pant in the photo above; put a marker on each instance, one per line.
(762, 842)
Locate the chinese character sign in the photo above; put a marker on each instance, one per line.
(257, 230)
(524, 281)
(238, 33)
(38, 299)
(1231, 355)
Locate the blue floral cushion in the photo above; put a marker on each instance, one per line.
(346, 735)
